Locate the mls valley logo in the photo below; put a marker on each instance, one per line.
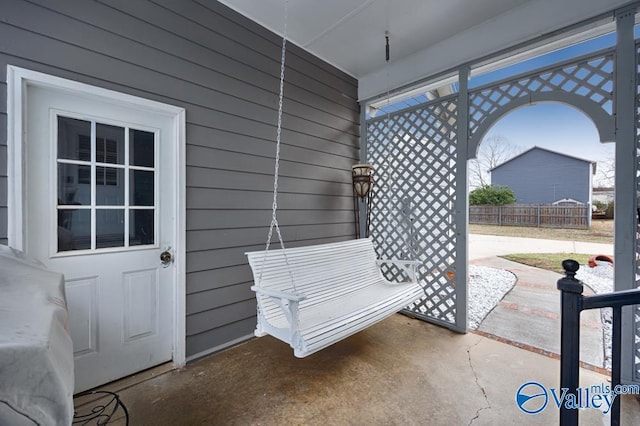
(532, 397)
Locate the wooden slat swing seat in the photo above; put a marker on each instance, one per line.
(339, 290)
(311, 297)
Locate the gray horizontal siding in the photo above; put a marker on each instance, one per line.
(201, 342)
(220, 238)
(204, 177)
(3, 162)
(3, 99)
(216, 298)
(223, 69)
(234, 256)
(3, 223)
(212, 279)
(228, 160)
(3, 166)
(228, 219)
(205, 198)
(264, 143)
(204, 321)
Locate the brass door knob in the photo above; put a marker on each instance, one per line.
(165, 257)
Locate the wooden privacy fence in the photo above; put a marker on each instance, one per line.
(542, 215)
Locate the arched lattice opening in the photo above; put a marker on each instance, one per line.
(585, 83)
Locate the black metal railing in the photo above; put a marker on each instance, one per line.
(573, 303)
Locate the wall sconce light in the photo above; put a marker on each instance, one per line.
(362, 176)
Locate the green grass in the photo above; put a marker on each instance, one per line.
(548, 261)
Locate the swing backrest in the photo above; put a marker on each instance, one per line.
(319, 272)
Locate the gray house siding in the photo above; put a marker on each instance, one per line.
(223, 69)
(3, 175)
(539, 176)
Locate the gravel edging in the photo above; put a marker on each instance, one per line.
(600, 280)
(487, 287)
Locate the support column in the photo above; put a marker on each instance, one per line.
(625, 181)
(363, 207)
(461, 218)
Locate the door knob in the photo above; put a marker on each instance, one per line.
(166, 257)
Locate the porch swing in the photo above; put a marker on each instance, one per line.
(312, 297)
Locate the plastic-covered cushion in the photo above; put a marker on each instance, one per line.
(36, 353)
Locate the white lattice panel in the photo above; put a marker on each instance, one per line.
(414, 155)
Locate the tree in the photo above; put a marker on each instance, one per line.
(605, 172)
(493, 195)
(493, 151)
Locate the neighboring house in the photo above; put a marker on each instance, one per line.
(542, 176)
(604, 195)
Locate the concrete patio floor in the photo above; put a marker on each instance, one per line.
(400, 371)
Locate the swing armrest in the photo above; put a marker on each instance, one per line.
(289, 303)
(294, 297)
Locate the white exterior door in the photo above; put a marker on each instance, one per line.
(100, 188)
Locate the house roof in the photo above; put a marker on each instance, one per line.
(547, 150)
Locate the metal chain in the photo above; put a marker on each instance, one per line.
(388, 134)
(388, 152)
(274, 220)
(274, 207)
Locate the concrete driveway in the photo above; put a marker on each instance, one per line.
(529, 315)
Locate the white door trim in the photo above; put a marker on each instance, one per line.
(17, 81)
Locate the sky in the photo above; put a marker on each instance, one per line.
(557, 127)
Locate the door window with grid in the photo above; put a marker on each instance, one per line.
(106, 186)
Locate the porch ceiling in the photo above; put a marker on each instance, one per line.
(427, 36)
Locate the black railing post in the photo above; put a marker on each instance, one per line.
(616, 354)
(571, 305)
